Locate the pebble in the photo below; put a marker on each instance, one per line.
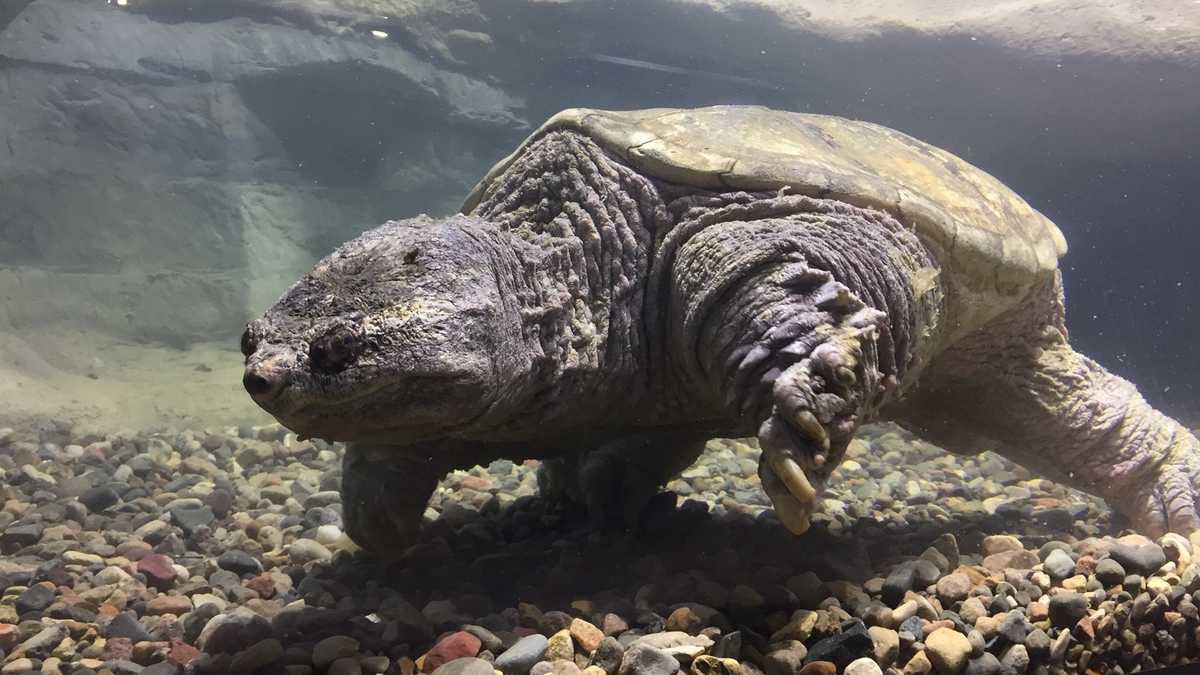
(863, 666)
(1145, 559)
(953, 588)
(465, 666)
(258, 655)
(586, 635)
(886, 645)
(643, 659)
(947, 650)
(1058, 564)
(345, 666)
(984, 664)
(333, 648)
(1109, 572)
(1066, 609)
(519, 658)
(239, 562)
(304, 551)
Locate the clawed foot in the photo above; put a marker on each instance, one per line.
(1170, 502)
(817, 405)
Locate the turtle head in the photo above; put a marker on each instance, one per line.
(400, 335)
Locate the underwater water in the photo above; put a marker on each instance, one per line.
(174, 502)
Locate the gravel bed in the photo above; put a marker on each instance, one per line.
(221, 551)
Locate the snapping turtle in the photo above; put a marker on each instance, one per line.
(627, 285)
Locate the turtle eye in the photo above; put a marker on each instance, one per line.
(249, 344)
(333, 351)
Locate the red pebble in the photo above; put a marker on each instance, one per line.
(453, 646)
(158, 570)
(182, 653)
(262, 584)
(118, 649)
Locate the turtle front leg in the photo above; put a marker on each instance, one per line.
(616, 480)
(384, 493)
(803, 323)
(1061, 414)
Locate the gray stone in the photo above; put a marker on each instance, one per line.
(984, 664)
(1145, 559)
(1110, 572)
(258, 655)
(1066, 609)
(191, 519)
(126, 625)
(333, 648)
(519, 658)
(468, 665)
(1058, 564)
(642, 659)
(34, 599)
(608, 655)
(345, 666)
(234, 631)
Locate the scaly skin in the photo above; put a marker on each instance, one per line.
(585, 309)
(767, 299)
(1017, 387)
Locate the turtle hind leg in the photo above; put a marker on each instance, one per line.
(1063, 415)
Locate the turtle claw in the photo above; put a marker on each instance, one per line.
(1171, 500)
(816, 407)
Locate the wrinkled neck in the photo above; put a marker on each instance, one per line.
(580, 226)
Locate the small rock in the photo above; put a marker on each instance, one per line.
(457, 645)
(786, 661)
(947, 650)
(258, 655)
(863, 666)
(1018, 560)
(304, 551)
(642, 659)
(953, 588)
(159, 570)
(125, 625)
(984, 664)
(465, 666)
(99, 499)
(887, 645)
(586, 635)
(168, 604)
(232, 632)
(1066, 609)
(1015, 659)
(918, 665)
(999, 543)
(1145, 559)
(1058, 564)
(35, 598)
(560, 647)
(519, 658)
(1110, 572)
(333, 648)
(239, 562)
(346, 665)
(844, 647)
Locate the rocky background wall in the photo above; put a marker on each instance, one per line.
(167, 167)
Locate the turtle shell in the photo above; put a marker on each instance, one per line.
(984, 234)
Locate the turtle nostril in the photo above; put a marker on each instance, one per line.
(261, 385)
